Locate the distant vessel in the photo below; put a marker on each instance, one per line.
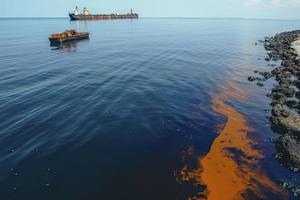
(68, 35)
(85, 15)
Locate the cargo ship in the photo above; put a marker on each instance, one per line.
(67, 36)
(85, 15)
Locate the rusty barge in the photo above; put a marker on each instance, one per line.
(67, 36)
(85, 15)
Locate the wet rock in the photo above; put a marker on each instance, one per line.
(266, 75)
(267, 59)
(279, 111)
(292, 103)
(260, 79)
(289, 146)
(289, 92)
(278, 98)
(283, 119)
(296, 83)
(284, 81)
(260, 84)
(287, 63)
(297, 94)
(292, 188)
(276, 71)
(286, 74)
(290, 123)
(251, 78)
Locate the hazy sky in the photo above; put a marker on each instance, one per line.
(270, 9)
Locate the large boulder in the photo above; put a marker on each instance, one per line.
(296, 83)
(278, 98)
(287, 91)
(278, 111)
(289, 123)
(289, 147)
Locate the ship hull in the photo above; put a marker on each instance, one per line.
(59, 41)
(102, 17)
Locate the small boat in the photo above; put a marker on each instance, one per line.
(68, 35)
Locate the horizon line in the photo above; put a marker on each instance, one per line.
(179, 17)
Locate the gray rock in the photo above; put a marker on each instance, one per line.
(260, 84)
(276, 71)
(297, 94)
(266, 75)
(278, 97)
(292, 103)
(291, 123)
(279, 112)
(292, 188)
(282, 121)
(267, 59)
(260, 79)
(251, 78)
(287, 91)
(296, 83)
(289, 146)
(285, 81)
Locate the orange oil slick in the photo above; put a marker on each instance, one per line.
(228, 176)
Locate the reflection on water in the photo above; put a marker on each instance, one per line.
(67, 47)
(231, 169)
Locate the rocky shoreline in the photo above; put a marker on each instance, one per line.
(285, 95)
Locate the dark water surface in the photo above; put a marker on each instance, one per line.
(109, 118)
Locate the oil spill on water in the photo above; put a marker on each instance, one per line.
(231, 169)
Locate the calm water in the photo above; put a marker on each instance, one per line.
(109, 117)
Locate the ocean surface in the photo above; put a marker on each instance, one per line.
(113, 117)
